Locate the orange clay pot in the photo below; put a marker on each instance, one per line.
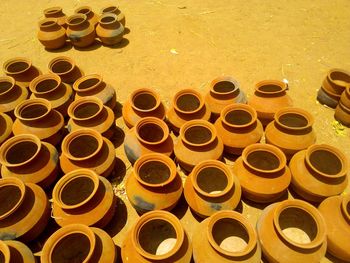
(198, 141)
(157, 236)
(65, 68)
(56, 12)
(226, 236)
(25, 210)
(109, 30)
(212, 187)
(5, 127)
(263, 173)
(114, 10)
(15, 251)
(80, 32)
(336, 81)
(342, 114)
(319, 172)
(238, 127)
(292, 231)
(91, 16)
(51, 35)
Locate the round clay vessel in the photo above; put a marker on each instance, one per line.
(212, 187)
(25, 210)
(91, 16)
(336, 81)
(263, 173)
(51, 35)
(14, 251)
(157, 236)
(238, 127)
(292, 231)
(345, 97)
(154, 183)
(198, 141)
(142, 103)
(330, 100)
(56, 12)
(342, 114)
(114, 10)
(226, 236)
(150, 134)
(319, 172)
(80, 31)
(65, 68)
(109, 29)
(5, 127)
(269, 97)
(291, 131)
(187, 104)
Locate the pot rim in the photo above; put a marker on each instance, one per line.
(61, 59)
(52, 10)
(282, 85)
(297, 111)
(11, 61)
(13, 181)
(201, 123)
(114, 16)
(152, 120)
(81, 101)
(79, 10)
(239, 106)
(188, 92)
(70, 18)
(341, 71)
(344, 206)
(221, 79)
(5, 250)
(112, 7)
(48, 76)
(54, 21)
(10, 80)
(32, 102)
(148, 91)
(87, 77)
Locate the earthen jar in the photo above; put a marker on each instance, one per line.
(342, 114)
(65, 68)
(154, 183)
(150, 134)
(109, 30)
(25, 210)
(36, 116)
(14, 251)
(30, 160)
(83, 197)
(226, 236)
(198, 141)
(336, 213)
(292, 231)
(319, 172)
(187, 104)
(51, 35)
(291, 131)
(91, 16)
(269, 97)
(5, 127)
(56, 12)
(263, 173)
(157, 236)
(142, 103)
(80, 31)
(114, 10)
(212, 187)
(328, 99)
(87, 148)
(336, 81)
(238, 127)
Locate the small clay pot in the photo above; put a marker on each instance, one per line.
(328, 99)
(5, 127)
(292, 231)
(157, 236)
(14, 251)
(198, 141)
(109, 29)
(238, 127)
(56, 12)
(91, 16)
(345, 97)
(80, 31)
(65, 68)
(226, 236)
(336, 81)
(114, 10)
(154, 183)
(51, 35)
(342, 114)
(211, 187)
(319, 172)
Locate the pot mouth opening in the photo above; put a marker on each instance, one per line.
(109, 9)
(87, 83)
(154, 172)
(238, 118)
(84, 110)
(11, 197)
(32, 110)
(61, 66)
(188, 103)
(339, 77)
(48, 22)
(224, 87)
(21, 152)
(45, 84)
(198, 135)
(108, 18)
(83, 146)
(17, 66)
(293, 120)
(151, 130)
(76, 19)
(325, 162)
(77, 191)
(144, 101)
(212, 181)
(6, 84)
(83, 10)
(52, 10)
(271, 87)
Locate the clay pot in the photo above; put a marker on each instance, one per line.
(65, 68)
(291, 131)
(150, 134)
(212, 187)
(336, 81)
(198, 141)
(345, 97)
(142, 103)
(87, 148)
(56, 12)
(79, 243)
(269, 97)
(27, 158)
(157, 236)
(342, 114)
(25, 210)
(154, 183)
(91, 16)
(319, 172)
(328, 99)
(238, 127)
(15, 251)
(36, 116)
(109, 30)
(83, 197)
(5, 127)
(80, 32)
(226, 236)
(336, 213)
(292, 231)
(188, 104)
(114, 10)
(263, 173)
(51, 34)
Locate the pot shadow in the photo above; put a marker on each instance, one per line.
(333, 258)
(119, 45)
(295, 195)
(119, 254)
(239, 207)
(97, 44)
(118, 172)
(119, 218)
(118, 136)
(126, 30)
(67, 46)
(230, 157)
(118, 110)
(262, 206)
(181, 207)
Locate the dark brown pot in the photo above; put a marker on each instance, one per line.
(65, 68)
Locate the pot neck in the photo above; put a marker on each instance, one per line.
(50, 27)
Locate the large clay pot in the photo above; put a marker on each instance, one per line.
(211, 187)
(91, 16)
(342, 114)
(292, 231)
(109, 30)
(263, 173)
(319, 172)
(114, 10)
(65, 68)
(56, 12)
(5, 127)
(226, 236)
(14, 251)
(51, 35)
(157, 236)
(80, 32)
(238, 127)
(336, 81)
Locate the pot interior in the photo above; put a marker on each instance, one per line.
(46, 85)
(61, 66)
(10, 195)
(238, 117)
(88, 83)
(154, 172)
(83, 146)
(86, 110)
(188, 102)
(224, 87)
(21, 152)
(293, 120)
(33, 111)
(17, 66)
(2, 125)
(77, 190)
(212, 180)
(109, 9)
(108, 19)
(326, 162)
(144, 101)
(151, 132)
(270, 88)
(263, 160)
(2, 257)
(198, 134)
(5, 85)
(340, 78)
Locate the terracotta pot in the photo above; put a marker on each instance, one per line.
(345, 97)
(15, 251)
(87, 148)
(342, 114)
(336, 81)
(188, 104)
(154, 183)
(51, 35)
(56, 12)
(80, 32)
(25, 210)
(157, 236)
(291, 131)
(5, 127)
(238, 127)
(150, 134)
(65, 68)
(336, 213)
(319, 172)
(198, 141)
(212, 187)
(109, 30)
(226, 236)
(91, 16)
(292, 231)
(269, 97)
(36, 116)
(114, 10)
(263, 173)
(27, 158)
(328, 99)
(83, 197)
(142, 103)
